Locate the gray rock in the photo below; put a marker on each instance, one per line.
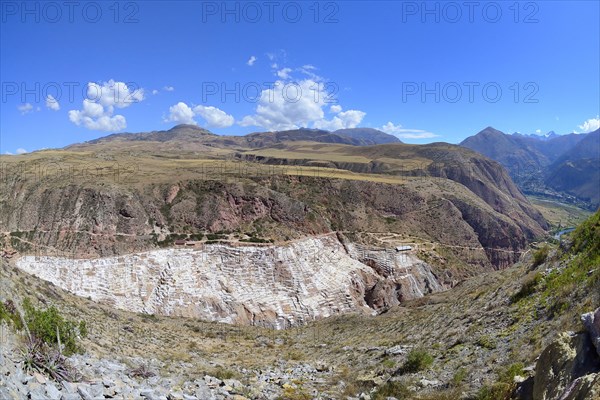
(69, 387)
(567, 358)
(52, 391)
(591, 322)
(70, 396)
(84, 391)
(203, 392)
(396, 350)
(148, 394)
(97, 390)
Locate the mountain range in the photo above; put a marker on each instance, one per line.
(563, 167)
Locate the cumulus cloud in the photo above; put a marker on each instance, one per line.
(343, 120)
(25, 108)
(251, 61)
(590, 125)
(169, 88)
(336, 108)
(288, 105)
(284, 73)
(52, 103)
(100, 104)
(181, 113)
(155, 92)
(21, 150)
(405, 133)
(292, 104)
(538, 131)
(214, 117)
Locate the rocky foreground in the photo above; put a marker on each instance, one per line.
(568, 369)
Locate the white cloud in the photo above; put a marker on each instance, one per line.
(25, 108)
(251, 61)
(284, 73)
(292, 104)
(169, 88)
(21, 150)
(155, 92)
(336, 108)
(346, 119)
(590, 125)
(404, 133)
(538, 131)
(99, 106)
(181, 113)
(308, 70)
(114, 94)
(288, 105)
(214, 117)
(52, 103)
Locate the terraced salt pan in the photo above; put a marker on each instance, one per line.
(276, 286)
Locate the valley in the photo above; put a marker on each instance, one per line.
(336, 261)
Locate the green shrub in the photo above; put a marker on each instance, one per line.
(486, 342)
(528, 287)
(389, 389)
(496, 391)
(417, 360)
(8, 313)
(540, 255)
(388, 364)
(459, 376)
(50, 327)
(504, 387)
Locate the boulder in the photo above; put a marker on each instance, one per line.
(591, 322)
(569, 357)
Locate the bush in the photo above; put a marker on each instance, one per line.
(389, 389)
(540, 256)
(486, 342)
(528, 287)
(417, 360)
(8, 313)
(503, 389)
(459, 377)
(39, 356)
(50, 327)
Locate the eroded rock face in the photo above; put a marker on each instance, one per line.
(568, 369)
(275, 286)
(591, 321)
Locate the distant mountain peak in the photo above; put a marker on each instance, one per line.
(372, 134)
(188, 127)
(490, 130)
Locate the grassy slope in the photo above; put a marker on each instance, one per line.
(479, 328)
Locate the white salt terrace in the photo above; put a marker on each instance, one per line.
(276, 286)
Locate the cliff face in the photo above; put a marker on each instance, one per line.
(92, 221)
(275, 286)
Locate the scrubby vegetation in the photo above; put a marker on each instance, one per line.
(504, 387)
(540, 255)
(417, 360)
(49, 337)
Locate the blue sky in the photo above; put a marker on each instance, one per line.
(434, 71)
